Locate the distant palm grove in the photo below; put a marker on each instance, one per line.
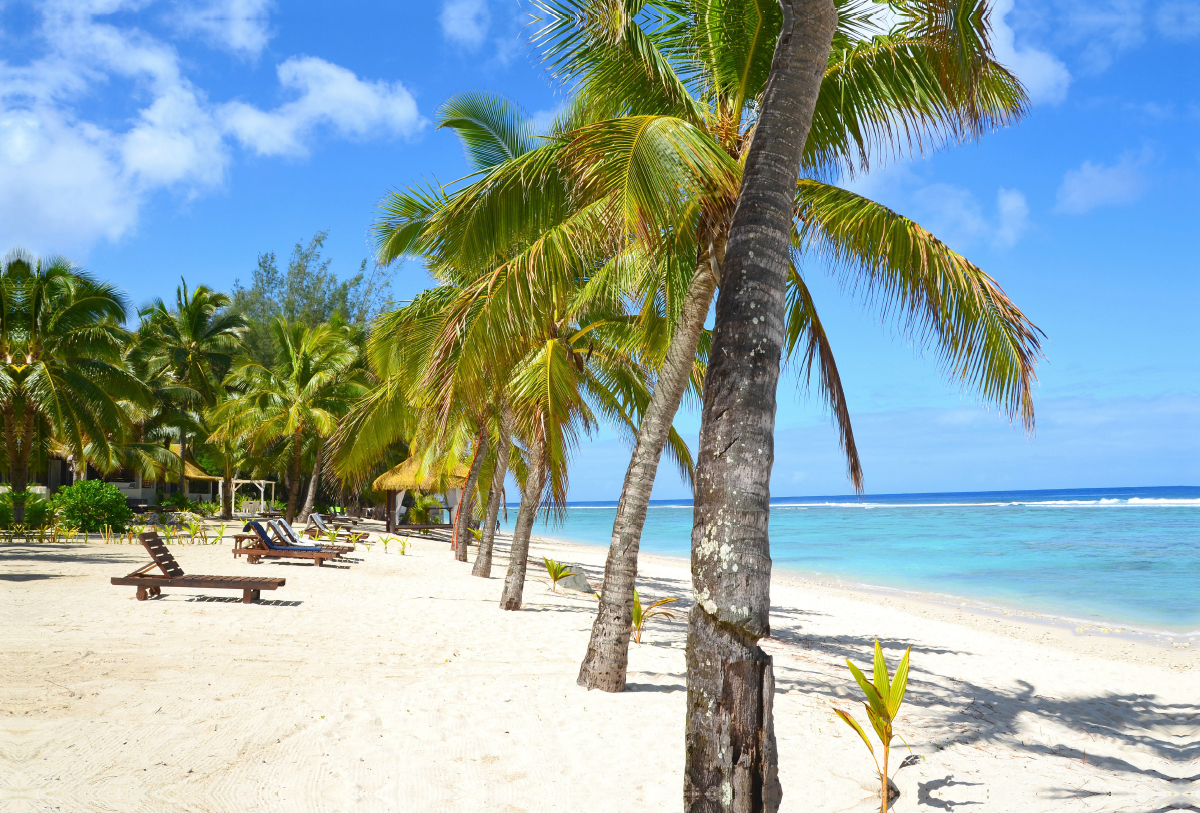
(700, 156)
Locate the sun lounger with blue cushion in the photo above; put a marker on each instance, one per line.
(258, 544)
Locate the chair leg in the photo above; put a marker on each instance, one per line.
(247, 596)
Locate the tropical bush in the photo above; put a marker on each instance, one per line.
(884, 697)
(423, 507)
(39, 513)
(207, 509)
(179, 500)
(92, 505)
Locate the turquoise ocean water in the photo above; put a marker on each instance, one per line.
(1127, 555)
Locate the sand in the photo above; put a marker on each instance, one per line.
(395, 683)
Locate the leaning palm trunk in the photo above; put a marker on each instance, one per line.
(466, 506)
(483, 560)
(531, 498)
(608, 651)
(731, 764)
(313, 484)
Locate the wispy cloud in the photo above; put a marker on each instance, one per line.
(465, 22)
(1179, 19)
(328, 95)
(240, 26)
(1094, 185)
(1045, 77)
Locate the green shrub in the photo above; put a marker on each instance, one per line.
(90, 505)
(180, 501)
(38, 511)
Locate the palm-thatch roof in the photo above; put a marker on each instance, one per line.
(408, 477)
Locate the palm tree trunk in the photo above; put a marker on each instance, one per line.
(313, 484)
(531, 499)
(294, 478)
(466, 505)
(20, 480)
(183, 462)
(608, 650)
(483, 560)
(227, 497)
(731, 763)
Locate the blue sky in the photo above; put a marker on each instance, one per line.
(149, 140)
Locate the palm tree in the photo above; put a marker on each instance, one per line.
(61, 370)
(536, 250)
(297, 400)
(196, 341)
(688, 71)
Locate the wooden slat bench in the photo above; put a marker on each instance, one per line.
(151, 584)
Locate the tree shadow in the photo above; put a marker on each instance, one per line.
(962, 712)
(28, 577)
(46, 553)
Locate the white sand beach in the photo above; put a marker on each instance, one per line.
(395, 683)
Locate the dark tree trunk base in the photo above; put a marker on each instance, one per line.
(732, 764)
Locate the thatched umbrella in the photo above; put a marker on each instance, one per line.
(410, 476)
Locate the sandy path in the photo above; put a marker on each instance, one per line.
(396, 684)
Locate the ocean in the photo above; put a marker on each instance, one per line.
(1125, 556)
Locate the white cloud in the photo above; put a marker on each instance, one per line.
(240, 26)
(1179, 20)
(1095, 185)
(329, 95)
(1045, 77)
(956, 217)
(67, 181)
(1013, 216)
(465, 22)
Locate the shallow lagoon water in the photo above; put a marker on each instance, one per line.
(1127, 556)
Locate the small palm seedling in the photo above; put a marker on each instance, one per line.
(169, 533)
(194, 529)
(643, 614)
(883, 705)
(386, 540)
(402, 544)
(557, 571)
(221, 533)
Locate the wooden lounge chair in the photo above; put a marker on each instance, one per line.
(318, 527)
(151, 584)
(258, 544)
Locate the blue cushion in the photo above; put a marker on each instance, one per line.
(258, 529)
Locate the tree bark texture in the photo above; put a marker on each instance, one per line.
(314, 483)
(608, 650)
(531, 500)
(183, 462)
(295, 479)
(483, 559)
(466, 507)
(731, 764)
(227, 498)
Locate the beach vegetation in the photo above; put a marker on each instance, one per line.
(884, 698)
(557, 571)
(643, 614)
(93, 505)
